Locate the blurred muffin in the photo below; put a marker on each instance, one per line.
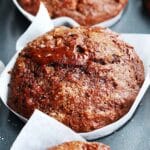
(31, 6)
(146, 5)
(85, 12)
(76, 145)
(84, 77)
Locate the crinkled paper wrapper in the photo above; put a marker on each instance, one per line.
(2, 66)
(42, 132)
(44, 24)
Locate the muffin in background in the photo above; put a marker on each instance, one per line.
(146, 5)
(85, 12)
(31, 6)
(76, 145)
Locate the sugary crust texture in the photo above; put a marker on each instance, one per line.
(84, 77)
(76, 145)
(85, 12)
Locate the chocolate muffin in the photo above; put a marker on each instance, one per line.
(85, 12)
(85, 77)
(76, 145)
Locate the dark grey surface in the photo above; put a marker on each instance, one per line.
(135, 135)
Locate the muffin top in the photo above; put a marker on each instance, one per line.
(85, 12)
(85, 77)
(76, 145)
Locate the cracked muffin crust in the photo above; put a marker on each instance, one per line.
(76, 145)
(85, 12)
(85, 77)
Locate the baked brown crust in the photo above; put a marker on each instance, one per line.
(76, 145)
(85, 12)
(84, 77)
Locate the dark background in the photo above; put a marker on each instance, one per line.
(135, 135)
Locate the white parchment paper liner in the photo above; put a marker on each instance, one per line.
(57, 21)
(2, 66)
(42, 132)
(140, 42)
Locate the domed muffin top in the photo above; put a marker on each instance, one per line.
(84, 77)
